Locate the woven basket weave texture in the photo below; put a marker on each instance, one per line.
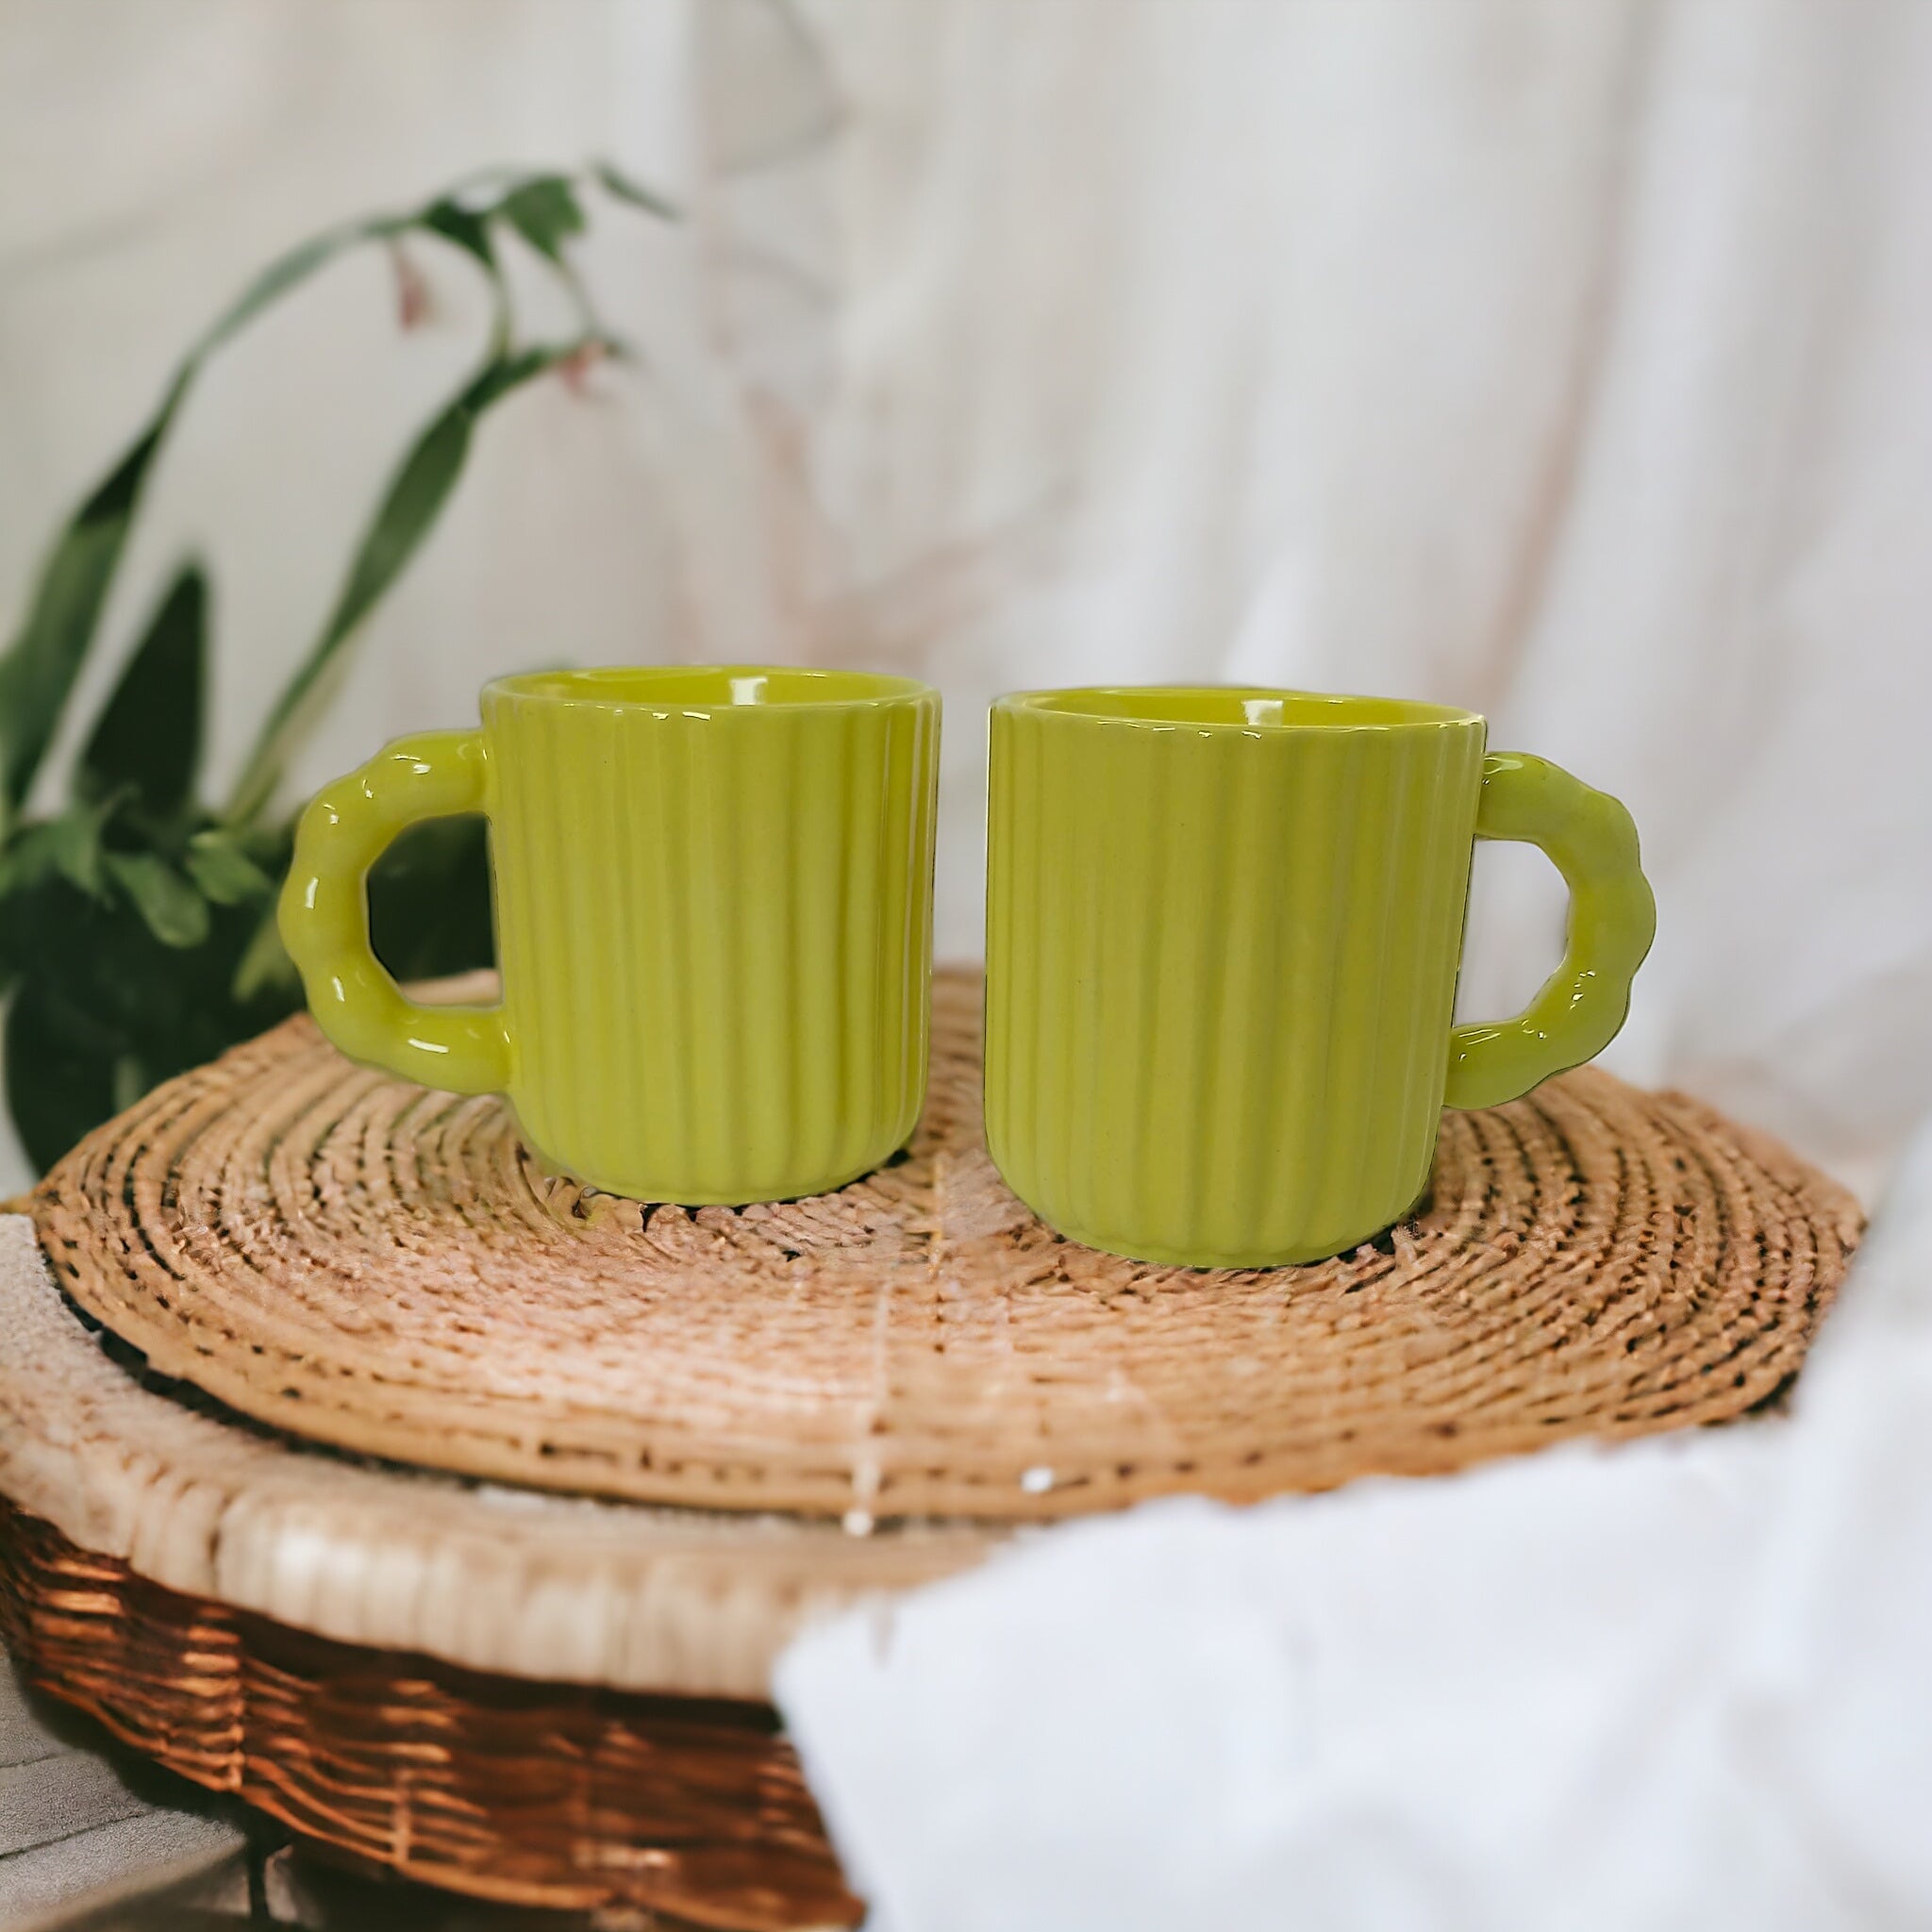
(357, 1261)
(534, 1794)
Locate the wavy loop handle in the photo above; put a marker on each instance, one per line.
(325, 917)
(1591, 840)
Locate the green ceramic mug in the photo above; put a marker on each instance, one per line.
(1222, 934)
(713, 900)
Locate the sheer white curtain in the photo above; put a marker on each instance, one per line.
(1571, 363)
(1567, 362)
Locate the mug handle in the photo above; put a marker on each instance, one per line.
(1613, 921)
(324, 916)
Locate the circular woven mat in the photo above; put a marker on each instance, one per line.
(360, 1262)
(504, 1581)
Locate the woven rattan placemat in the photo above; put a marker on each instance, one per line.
(508, 1581)
(357, 1261)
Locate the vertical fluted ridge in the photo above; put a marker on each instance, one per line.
(713, 929)
(1221, 967)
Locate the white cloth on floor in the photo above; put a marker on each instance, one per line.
(1684, 1683)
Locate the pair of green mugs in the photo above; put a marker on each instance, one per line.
(1222, 934)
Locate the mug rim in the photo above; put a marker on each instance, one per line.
(626, 688)
(1087, 705)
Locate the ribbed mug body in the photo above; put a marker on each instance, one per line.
(714, 923)
(1222, 935)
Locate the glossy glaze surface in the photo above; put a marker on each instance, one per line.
(713, 894)
(1222, 934)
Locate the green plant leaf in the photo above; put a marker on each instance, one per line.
(223, 871)
(265, 966)
(30, 857)
(59, 1072)
(288, 271)
(40, 666)
(148, 739)
(408, 510)
(69, 846)
(74, 841)
(464, 227)
(38, 669)
(175, 913)
(544, 212)
(114, 1009)
(511, 372)
(122, 971)
(624, 189)
(468, 227)
(429, 899)
(415, 501)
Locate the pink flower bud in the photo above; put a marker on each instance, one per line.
(412, 291)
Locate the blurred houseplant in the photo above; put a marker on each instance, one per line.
(137, 926)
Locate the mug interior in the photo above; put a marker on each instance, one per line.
(1238, 707)
(710, 686)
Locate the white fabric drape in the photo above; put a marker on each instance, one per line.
(1680, 1684)
(1567, 362)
